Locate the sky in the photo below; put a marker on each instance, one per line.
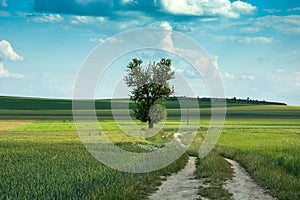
(254, 44)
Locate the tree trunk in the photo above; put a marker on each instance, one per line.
(150, 124)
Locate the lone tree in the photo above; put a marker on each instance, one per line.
(150, 85)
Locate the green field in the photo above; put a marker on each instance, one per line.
(269, 150)
(42, 156)
(46, 160)
(39, 108)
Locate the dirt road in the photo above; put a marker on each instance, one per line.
(181, 185)
(242, 186)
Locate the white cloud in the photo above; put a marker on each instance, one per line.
(280, 70)
(166, 26)
(112, 40)
(241, 7)
(166, 41)
(4, 73)
(247, 77)
(223, 8)
(7, 52)
(249, 30)
(3, 3)
(124, 2)
(182, 28)
(86, 20)
(97, 40)
(247, 40)
(229, 75)
(293, 9)
(289, 24)
(285, 24)
(176, 70)
(215, 60)
(47, 18)
(262, 40)
(272, 11)
(161, 24)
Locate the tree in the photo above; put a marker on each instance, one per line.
(150, 85)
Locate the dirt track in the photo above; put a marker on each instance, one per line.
(181, 185)
(242, 186)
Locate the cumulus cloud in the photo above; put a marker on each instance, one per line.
(47, 18)
(242, 8)
(247, 40)
(7, 52)
(166, 26)
(208, 8)
(4, 73)
(166, 38)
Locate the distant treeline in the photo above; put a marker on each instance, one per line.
(230, 101)
(31, 103)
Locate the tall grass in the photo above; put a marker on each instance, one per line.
(214, 170)
(40, 161)
(269, 150)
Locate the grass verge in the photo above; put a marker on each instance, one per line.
(214, 170)
(267, 172)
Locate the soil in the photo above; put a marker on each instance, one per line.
(181, 185)
(242, 186)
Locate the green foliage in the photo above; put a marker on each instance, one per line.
(214, 193)
(150, 85)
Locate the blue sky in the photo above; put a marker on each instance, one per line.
(255, 43)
